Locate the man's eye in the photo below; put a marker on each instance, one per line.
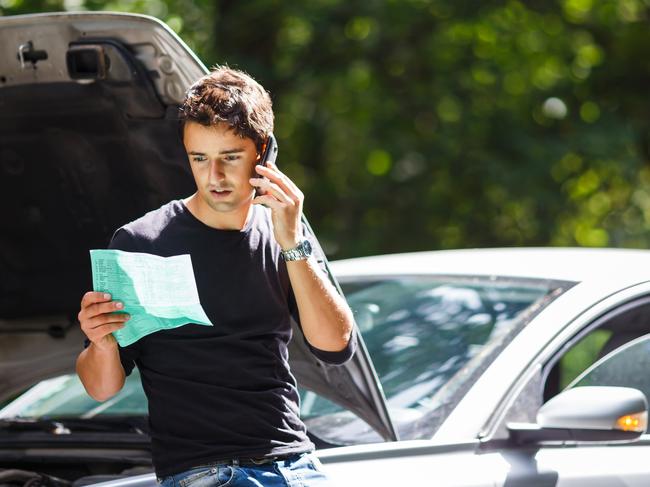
(199, 159)
(231, 158)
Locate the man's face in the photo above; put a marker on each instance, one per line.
(222, 163)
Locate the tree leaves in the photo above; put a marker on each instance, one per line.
(424, 124)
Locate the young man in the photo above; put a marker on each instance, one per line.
(223, 404)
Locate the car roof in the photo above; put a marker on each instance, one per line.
(555, 263)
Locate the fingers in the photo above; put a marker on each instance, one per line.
(269, 201)
(104, 319)
(97, 308)
(92, 297)
(285, 178)
(285, 184)
(110, 328)
(99, 315)
(97, 334)
(273, 174)
(273, 189)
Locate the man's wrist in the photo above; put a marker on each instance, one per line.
(301, 251)
(290, 246)
(104, 349)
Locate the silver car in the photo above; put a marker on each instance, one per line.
(476, 368)
(515, 361)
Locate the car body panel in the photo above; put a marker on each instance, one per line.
(157, 46)
(424, 464)
(553, 263)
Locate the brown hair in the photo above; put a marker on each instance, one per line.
(230, 96)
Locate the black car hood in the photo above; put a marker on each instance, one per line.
(79, 158)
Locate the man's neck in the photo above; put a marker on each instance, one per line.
(233, 220)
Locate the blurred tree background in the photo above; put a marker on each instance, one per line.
(427, 124)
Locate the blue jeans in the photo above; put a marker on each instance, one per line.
(300, 470)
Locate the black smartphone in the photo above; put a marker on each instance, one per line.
(270, 154)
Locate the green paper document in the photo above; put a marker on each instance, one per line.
(158, 292)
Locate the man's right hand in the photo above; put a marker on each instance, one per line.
(98, 320)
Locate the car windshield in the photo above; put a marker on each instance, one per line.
(429, 338)
(65, 397)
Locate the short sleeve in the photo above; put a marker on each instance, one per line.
(122, 240)
(336, 358)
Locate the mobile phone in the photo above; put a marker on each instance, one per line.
(270, 154)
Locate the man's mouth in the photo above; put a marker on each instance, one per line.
(220, 193)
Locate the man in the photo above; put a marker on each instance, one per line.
(223, 405)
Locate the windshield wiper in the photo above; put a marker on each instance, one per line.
(66, 426)
(27, 424)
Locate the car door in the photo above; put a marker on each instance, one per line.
(612, 349)
(603, 464)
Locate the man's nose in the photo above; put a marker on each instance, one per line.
(216, 171)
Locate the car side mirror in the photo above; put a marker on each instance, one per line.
(594, 413)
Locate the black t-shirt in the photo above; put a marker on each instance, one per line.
(221, 391)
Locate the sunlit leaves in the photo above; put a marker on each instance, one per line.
(420, 124)
(589, 112)
(449, 109)
(360, 28)
(295, 32)
(577, 10)
(378, 162)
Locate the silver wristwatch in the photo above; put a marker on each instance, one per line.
(301, 251)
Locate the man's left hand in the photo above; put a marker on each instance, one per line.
(285, 200)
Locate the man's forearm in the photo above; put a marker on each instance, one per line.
(100, 371)
(325, 317)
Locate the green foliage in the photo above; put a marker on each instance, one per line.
(581, 356)
(424, 124)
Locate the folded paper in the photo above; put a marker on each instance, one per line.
(158, 292)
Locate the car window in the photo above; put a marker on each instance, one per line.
(626, 366)
(428, 337)
(622, 325)
(582, 355)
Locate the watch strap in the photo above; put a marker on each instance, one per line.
(302, 251)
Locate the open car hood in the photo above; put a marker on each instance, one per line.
(88, 142)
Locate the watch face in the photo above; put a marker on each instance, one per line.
(306, 247)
